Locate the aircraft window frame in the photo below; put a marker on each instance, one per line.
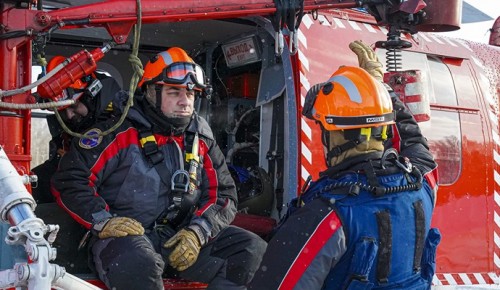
(40, 138)
(40, 133)
(445, 143)
(442, 82)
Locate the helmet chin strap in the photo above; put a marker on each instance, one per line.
(352, 142)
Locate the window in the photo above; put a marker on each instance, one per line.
(443, 129)
(40, 134)
(443, 135)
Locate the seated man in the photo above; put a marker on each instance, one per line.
(157, 194)
(89, 107)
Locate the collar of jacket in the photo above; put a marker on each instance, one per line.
(352, 164)
(198, 124)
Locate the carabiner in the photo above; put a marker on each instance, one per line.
(180, 181)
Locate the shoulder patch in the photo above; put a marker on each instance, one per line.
(89, 143)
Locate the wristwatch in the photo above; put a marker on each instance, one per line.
(199, 233)
(98, 226)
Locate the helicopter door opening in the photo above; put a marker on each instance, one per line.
(246, 112)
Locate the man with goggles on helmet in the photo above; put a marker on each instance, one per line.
(93, 96)
(157, 194)
(365, 223)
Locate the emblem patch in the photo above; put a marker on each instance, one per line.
(89, 143)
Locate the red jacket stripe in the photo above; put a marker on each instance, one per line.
(122, 141)
(432, 178)
(396, 139)
(213, 182)
(321, 235)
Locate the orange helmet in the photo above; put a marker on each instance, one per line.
(175, 68)
(75, 90)
(350, 99)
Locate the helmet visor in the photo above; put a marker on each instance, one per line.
(180, 73)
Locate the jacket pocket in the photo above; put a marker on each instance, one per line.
(428, 264)
(363, 257)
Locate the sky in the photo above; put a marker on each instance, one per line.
(478, 17)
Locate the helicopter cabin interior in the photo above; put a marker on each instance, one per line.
(248, 111)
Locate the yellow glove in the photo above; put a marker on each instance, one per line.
(367, 59)
(119, 227)
(187, 247)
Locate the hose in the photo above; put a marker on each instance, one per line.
(138, 72)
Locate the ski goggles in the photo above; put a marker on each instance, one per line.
(183, 73)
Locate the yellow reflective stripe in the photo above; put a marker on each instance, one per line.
(146, 139)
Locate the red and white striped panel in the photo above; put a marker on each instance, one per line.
(491, 98)
(465, 279)
(441, 279)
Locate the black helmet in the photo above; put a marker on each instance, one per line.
(255, 190)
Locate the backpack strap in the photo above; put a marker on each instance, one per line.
(153, 154)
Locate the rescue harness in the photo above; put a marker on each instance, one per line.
(374, 252)
(183, 183)
(389, 157)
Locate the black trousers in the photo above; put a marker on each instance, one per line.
(228, 261)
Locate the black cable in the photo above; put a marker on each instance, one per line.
(77, 21)
(355, 186)
(13, 34)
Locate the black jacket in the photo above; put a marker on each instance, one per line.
(99, 110)
(111, 176)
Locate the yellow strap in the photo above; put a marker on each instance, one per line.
(191, 156)
(366, 132)
(109, 108)
(194, 155)
(146, 139)
(384, 133)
